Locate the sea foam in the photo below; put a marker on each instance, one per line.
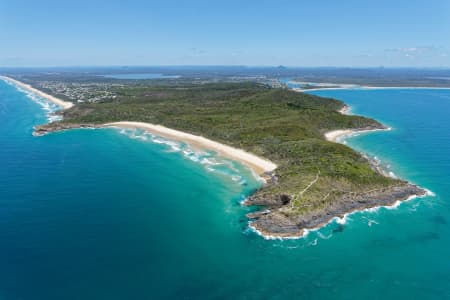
(210, 161)
(49, 107)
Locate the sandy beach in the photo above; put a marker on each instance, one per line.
(59, 102)
(337, 135)
(367, 87)
(403, 88)
(345, 110)
(258, 164)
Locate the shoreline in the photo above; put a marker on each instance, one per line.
(367, 87)
(27, 87)
(259, 165)
(390, 196)
(338, 219)
(346, 110)
(395, 196)
(262, 167)
(337, 135)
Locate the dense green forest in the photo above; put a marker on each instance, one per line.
(284, 126)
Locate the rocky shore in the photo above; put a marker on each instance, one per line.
(276, 221)
(294, 198)
(56, 126)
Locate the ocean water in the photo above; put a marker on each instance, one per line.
(109, 214)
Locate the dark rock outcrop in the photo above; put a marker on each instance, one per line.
(56, 126)
(272, 200)
(275, 222)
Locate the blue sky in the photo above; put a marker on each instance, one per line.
(280, 32)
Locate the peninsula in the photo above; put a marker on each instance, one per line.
(279, 133)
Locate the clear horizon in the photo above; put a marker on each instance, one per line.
(49, 33)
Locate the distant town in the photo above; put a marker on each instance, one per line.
(79, 92)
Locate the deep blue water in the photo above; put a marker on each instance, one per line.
(104, 214)
(140, 76)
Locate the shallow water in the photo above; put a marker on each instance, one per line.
(110, 214)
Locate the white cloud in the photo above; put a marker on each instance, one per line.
(419, 52)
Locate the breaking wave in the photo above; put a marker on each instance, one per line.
(49, 107)
(211, 162)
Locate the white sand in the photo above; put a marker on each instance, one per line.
(366, 87)
(59, 102)
(258, 164)
(403, 88)
(345, 110)
(335, 135)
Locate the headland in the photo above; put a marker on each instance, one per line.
(283, 135)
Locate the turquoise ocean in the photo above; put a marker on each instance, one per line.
(110, 214)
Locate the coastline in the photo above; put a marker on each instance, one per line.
(27, 87)
(273, 224)
(262, 167)
(337, 135)
(389, 198)
(259, 165)
(367, 87)
(342, 219)
(269, 223)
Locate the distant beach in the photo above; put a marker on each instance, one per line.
(337, 135)
(366, 87)
(258, 164)
(27, 87)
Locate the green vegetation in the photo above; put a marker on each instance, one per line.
(284, 126)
